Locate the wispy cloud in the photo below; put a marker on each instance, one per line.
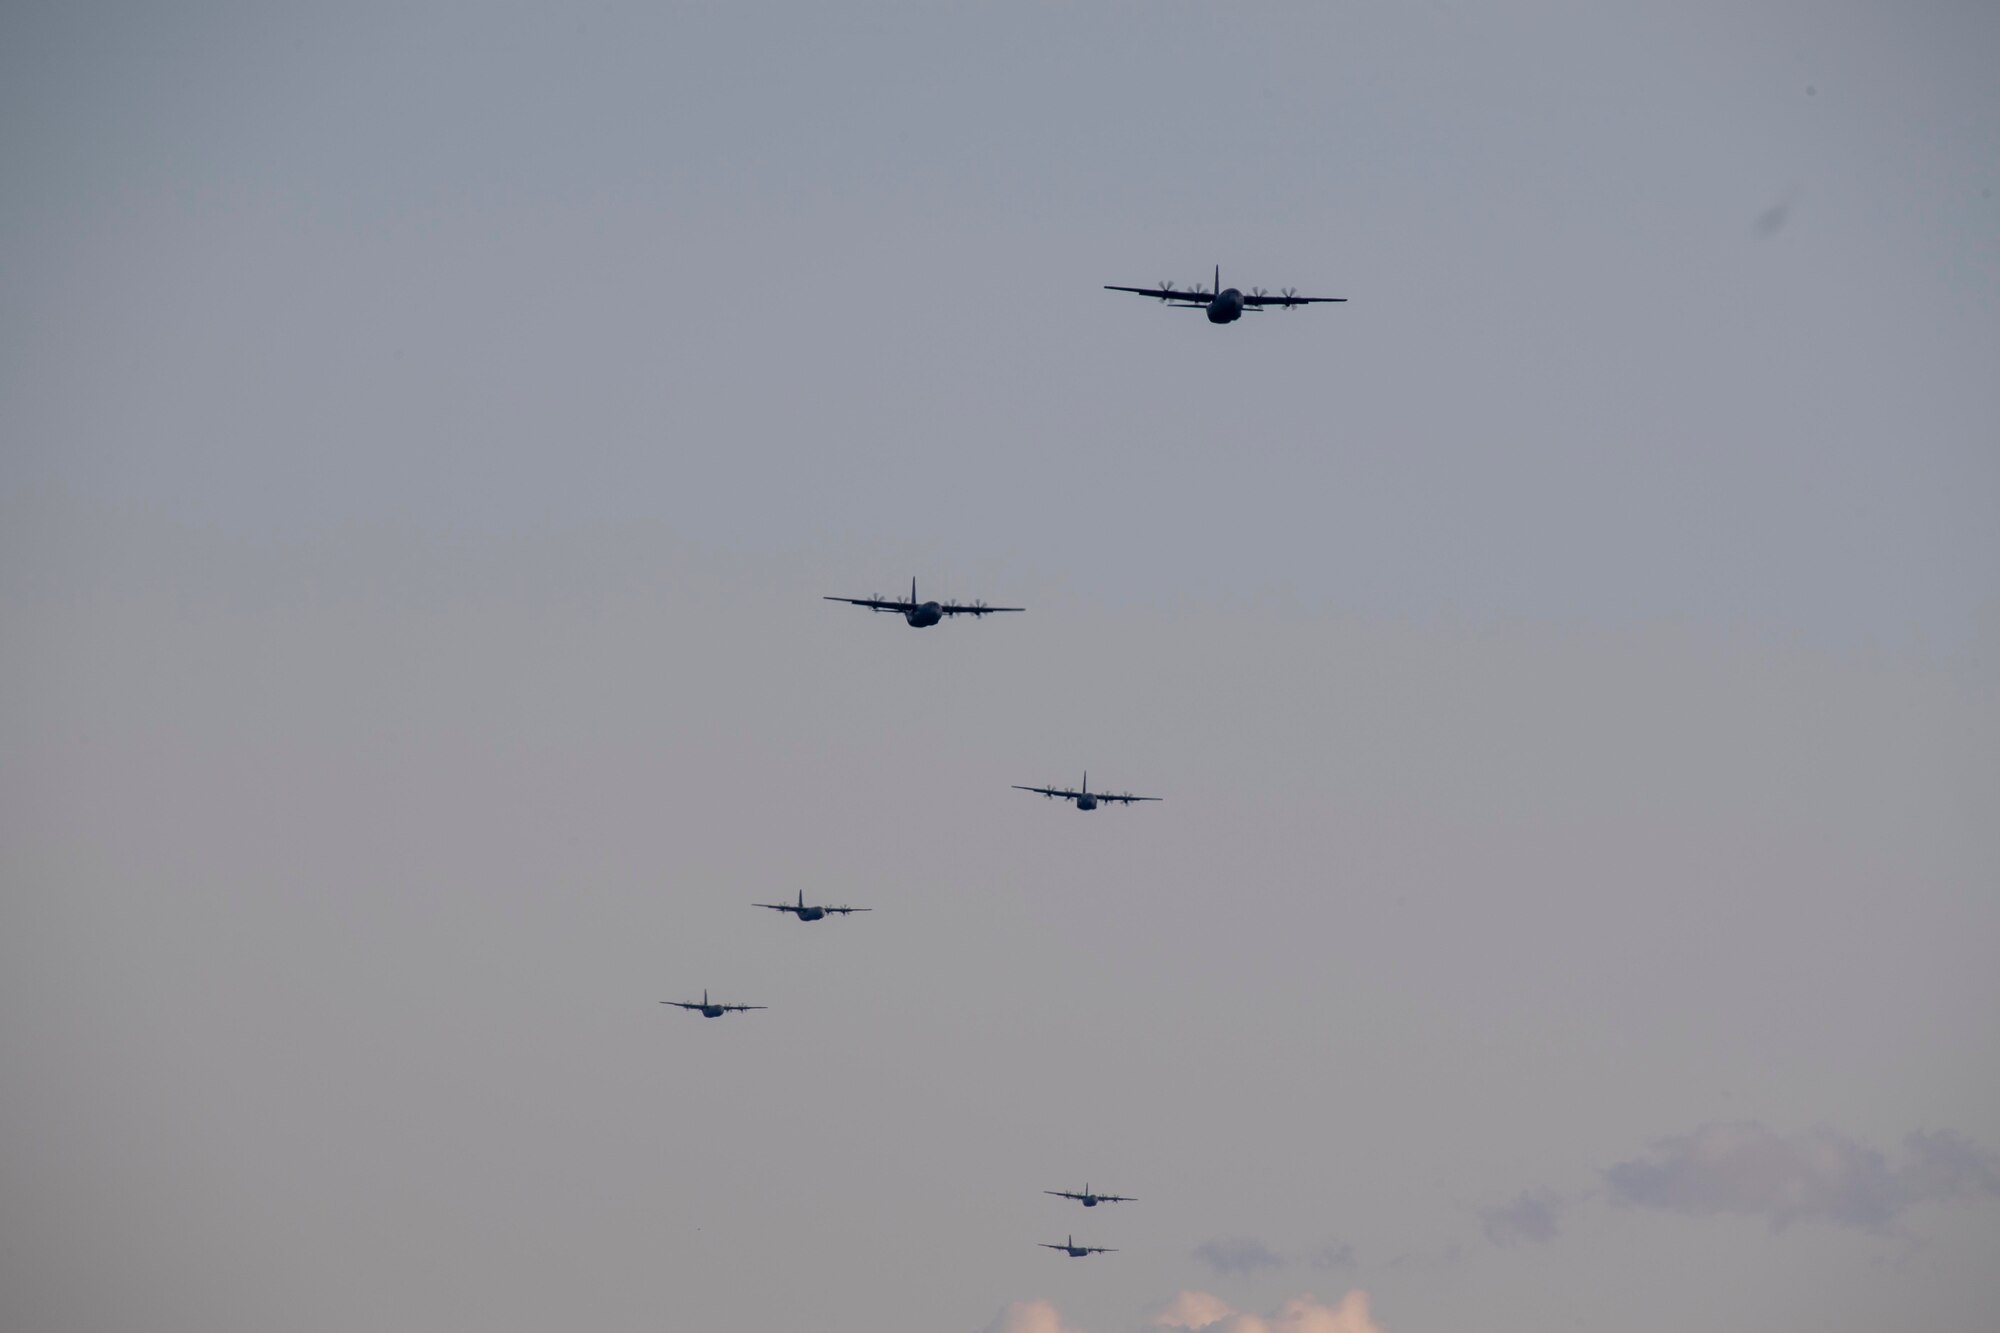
(1199, 1312)
(1237, 1255)
(1424, 1261)
(1333, 1256)
(1029, 1317)
(1744, 1169)
(1533, 1217)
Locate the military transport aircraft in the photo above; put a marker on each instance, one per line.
(921, 615)
(804, 913)
(1089, 1199)
(1085, 799)
(1074, 1250)
(709, 1009)
(1225, 305)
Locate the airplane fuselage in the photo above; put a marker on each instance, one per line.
(711, 1011)
(809, 913)
(923, 615)
(1086, 802)
(1089, 1201)
(1226, 307)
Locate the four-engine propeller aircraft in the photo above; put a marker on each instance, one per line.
(805, 913)
(1225, 305)
(1085, 799)
(1088, 1198)
(709, 1009)
(1074, 1250)
(920, 615)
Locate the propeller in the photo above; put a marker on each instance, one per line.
(1291, 295)
(1257, 292)
(1167, 287)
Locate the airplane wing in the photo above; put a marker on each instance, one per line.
(1045, 1245)
(1063, 1194)
(1254, 302)
(1116, 1198)
(975, 609)
(739, 1008)
(845, 910)
(1048, 791)
(1099, 1249)
(1195, 297)
(778, 907)
(681, 1004)
(1127, 799)
(872, 603)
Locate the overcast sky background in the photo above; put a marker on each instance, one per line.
(1570, 666)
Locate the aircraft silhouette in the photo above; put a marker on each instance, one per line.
(1085, 799)
(1088, 1199)
(1225, 305)
(1076, 1251)
(804, 913)
(709, 1009)
(921, 615)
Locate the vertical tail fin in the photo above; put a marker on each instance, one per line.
(1218, 279)
(913, 590)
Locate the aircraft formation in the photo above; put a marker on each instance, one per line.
(1223, 305)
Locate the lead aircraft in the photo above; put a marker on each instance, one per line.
(1085, 798)
(805, 913)
(922, 615)
(1225, 305)
(710, 1009)
(1089, 1199)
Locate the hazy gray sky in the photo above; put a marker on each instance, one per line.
(1570, 667)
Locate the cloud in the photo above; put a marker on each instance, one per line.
(1943, 1165)
(1334, 1256)
(1533, 1217)
(1029, 1317)
(1237, 1254)
(1744, 1169)
(1427, 1261)
(1199, 1312)
(1191, 1309)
